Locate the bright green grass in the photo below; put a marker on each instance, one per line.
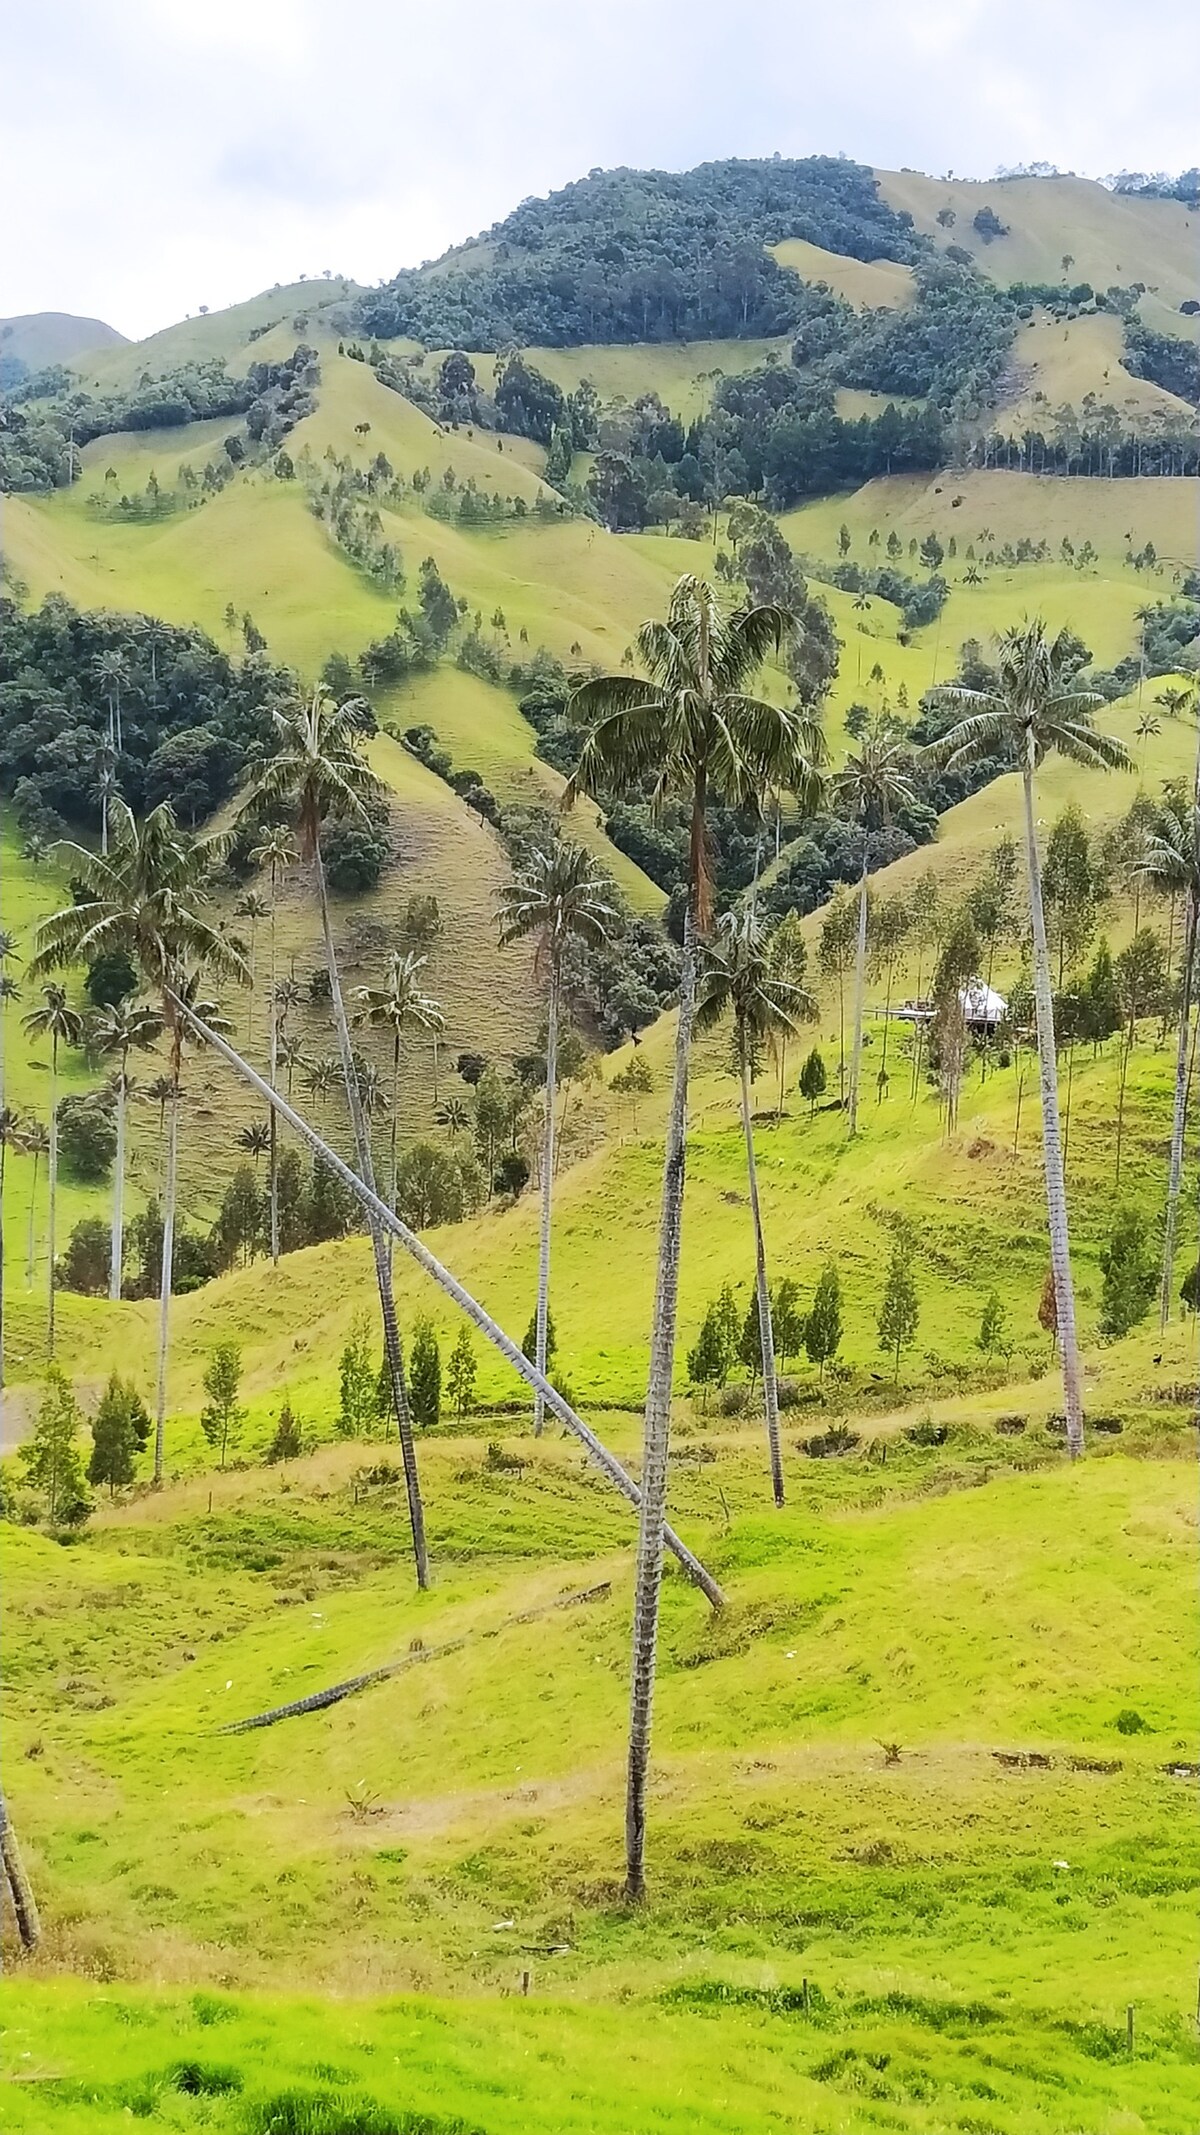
(546, 2067)
(944, 1604)
(682, 373)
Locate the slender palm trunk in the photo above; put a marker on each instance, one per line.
(1056, 1193)
(656, 1437)
(479, 1317)
(31, 1240)
(273, 1049)
(29, 1927)
(117, 1248)
(379, 1246)
(548, 1131)
(860, 980)
(1179, 1114)
(52, 1210)
(3, 1154)
(167, 1268)
(766, 1334)
(395, 1122)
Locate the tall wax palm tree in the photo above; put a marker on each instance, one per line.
(738, 977)
(37, 1145)
(252, 907)
(688, 730)
(318, 774)
(1171, 860)
(147, 899)
(9, 991)
(290, 1056)
(111, 670)
(1036, 710)
(12, 1136)
(453, 1115)
(115, 1031)
(560, 896)
(63, 1025)
(399, 1005)
(255, 1140)
(276, 852)
(869, 787)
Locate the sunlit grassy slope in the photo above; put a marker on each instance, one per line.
(1108, 237)
(1058, 362)
(459, 1826)
(867, 284)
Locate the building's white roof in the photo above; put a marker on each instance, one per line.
(981, 1003)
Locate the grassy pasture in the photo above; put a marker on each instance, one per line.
(870, 285)
(1110, 237)
(1057, 362)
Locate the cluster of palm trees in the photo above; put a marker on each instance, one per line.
(687, 729)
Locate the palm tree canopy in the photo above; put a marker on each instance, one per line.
(124, 1026)
(1035, 708)
(877, 780)
(55, 1019)
(275, 850)
(13, 1130)
(561, 895)
(1170, 856)
(399, 1004)
(144, 898)
(738, 975)
(689, 728)
(318, 771)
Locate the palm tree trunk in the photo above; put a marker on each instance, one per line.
(765, 1332)
(1056, 1193)
(3, 1155)
(117, 1248)
(1179, 1114)
(383, 1272)
(479, 1317)
(548, 1129)
(167, 1270)
(860, 979)
(656, 1437)
(52, 1210)
(273, 1160)
(29, 1252)
(29, 1927)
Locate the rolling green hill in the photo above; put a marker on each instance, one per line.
(919, 1811)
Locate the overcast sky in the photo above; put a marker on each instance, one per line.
(156, 155)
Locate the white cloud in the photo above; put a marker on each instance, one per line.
(168, 153)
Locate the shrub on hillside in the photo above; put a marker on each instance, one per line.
(87, 1136)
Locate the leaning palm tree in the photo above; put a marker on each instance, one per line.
(559, 897)
(869, 787)
(738, 977)
(1036, 709)
(1171, 861)
(399, 1005)
(115, 1031)
(146, 899)
(687, 730)
(276, 852)
(63, 1025)
(319, 774)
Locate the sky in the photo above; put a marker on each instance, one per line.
(157, 155)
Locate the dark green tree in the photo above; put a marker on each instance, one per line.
(462, 1372)
(120, 1431)
(1130, 1273)
(222, 1416)
(425, 1373)
(992, 1324)
(787, 1319)
(359, 1408)
(899, 1307)
(50, 1457)
(823, 1327)
(813, 1079)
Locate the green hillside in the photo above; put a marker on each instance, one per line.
(920, 1848)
